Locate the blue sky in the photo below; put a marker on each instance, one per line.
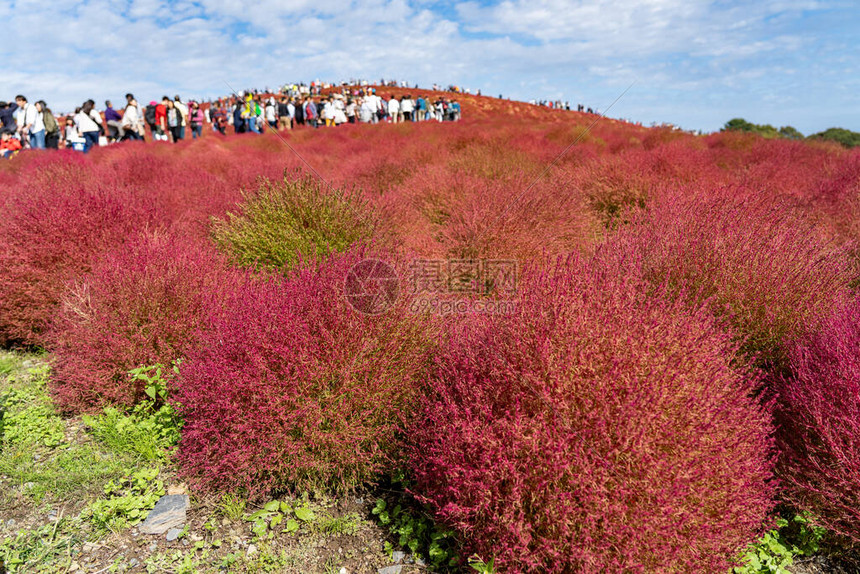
(695, 63)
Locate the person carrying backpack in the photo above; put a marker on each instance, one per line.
(149, 118)
(52, 128)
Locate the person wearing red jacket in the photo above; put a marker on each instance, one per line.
(9, 146)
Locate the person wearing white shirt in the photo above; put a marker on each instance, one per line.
(270, 113)
(366, 111)
(131, 122)
(374, 102)
(88, 121)
(394, 109)
(30, 123)
(183, 111)
(35, 125)
(406, 108)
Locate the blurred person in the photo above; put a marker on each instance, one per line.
(285, 116)
(9, 146)
(407, 106)
(327, 113)
(239, 117)
(52, 128)
(7, 116)
(89, 124)
(311, 113)
(129, 98)
(195, 118)
(366, 111)
(131, 122)
(149, 116)
(21, 108)
(394, 109)
(420, 109)
(270, 113)
(174, 121)
(219, 120)
(299, 112)
(72, 137)
(114, 123)
(161, 120)
(338, 110)
(351, 110)
(183, 111)
(249, 114)
(32, 124)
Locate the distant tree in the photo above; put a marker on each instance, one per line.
(741, 125)
(839, 135)
(738, 125)
(791, 133)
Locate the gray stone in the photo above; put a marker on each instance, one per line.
(169, 512)
(420, 561)
(134, 562)
(252, 549)
(343, 571)
(173, 534)
(390, 570)
(398, 556)
(11, 523)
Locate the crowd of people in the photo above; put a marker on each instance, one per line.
(32, 125)
(253, 112)
(27, 125)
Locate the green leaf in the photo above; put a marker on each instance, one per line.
(272, 506)
(304, 513)
(292, 526)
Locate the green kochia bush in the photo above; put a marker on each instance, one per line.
(291, 388)
(283, 222)
(594, 430)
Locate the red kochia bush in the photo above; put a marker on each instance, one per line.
(48, 236)
(293, 389)
(594, 431)
(819, 411)
(141, 305)
(762, 268)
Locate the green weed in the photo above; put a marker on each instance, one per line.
(128, 501)
(44, 549)
(150, 429)
(776, 550)
(280, 516)
(232, 506)
(419, 534)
